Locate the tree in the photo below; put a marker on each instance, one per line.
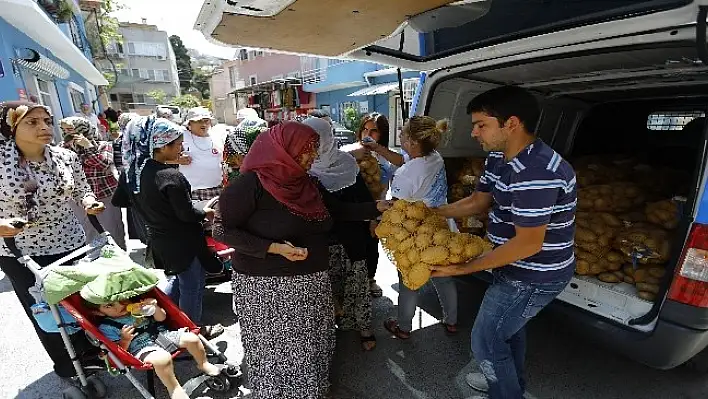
(184, 63)
(157, 95)
(186, 101)
(352, 119)
(102, 32)
(200, 81)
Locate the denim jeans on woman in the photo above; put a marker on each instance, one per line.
(499, 336)
(186, 289)
(408, 300)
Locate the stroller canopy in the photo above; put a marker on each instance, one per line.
(109, 278)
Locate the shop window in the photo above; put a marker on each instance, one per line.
(672, 120)
(77, 98)
(253, 79)
(44, 94)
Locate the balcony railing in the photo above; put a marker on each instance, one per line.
(314, 70)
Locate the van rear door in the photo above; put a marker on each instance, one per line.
(432, 34)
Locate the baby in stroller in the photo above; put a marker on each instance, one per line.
(136, 325)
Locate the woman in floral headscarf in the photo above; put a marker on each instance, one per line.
(161, 195)
(239, 140)
(97, 160)
(38, 181)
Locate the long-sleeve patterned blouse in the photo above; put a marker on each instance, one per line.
(40, 192)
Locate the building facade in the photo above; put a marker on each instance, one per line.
(145, 66)
(261, 80)
(45, 57)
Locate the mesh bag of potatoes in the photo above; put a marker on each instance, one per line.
(614, 197)
(471, 171)
(594, 236)
(594, 169)
(371, 172)
(646, 278)
(416, 238)
(663, 213)
(643, 243)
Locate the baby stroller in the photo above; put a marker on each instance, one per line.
(66, 314)
(222, 251)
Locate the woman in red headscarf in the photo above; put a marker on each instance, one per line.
(279, 220)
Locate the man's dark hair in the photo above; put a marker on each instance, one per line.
(507, 101)
(318, 113)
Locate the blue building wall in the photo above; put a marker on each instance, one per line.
(12, 39)
(343, 73)
(376, 103)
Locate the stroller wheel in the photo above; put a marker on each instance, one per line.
(219, 383)
(73, 393)
(231, 371)
(96, 387)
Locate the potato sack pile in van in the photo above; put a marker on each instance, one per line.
(416, 238)
(463, 175)
(626, 211)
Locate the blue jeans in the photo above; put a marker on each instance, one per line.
(187, 290)
(408, 300)
(499, 336)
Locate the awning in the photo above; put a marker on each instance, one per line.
(270, 85)
(382, 88)
(30, 19)
(43, 66)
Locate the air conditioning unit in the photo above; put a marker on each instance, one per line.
(160, 57)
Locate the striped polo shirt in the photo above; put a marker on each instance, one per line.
(535, 188)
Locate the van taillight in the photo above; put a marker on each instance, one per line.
(690, 285)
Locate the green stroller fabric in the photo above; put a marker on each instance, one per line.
(111, 277)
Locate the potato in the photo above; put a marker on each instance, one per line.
(656, 271)
(399, 233)
(619, 274)
(434, 255)
(585, 235)
(383, 229)
(413, 255)
(628, 279)
(642, 276)
(596, 268)
(442, 237)
(426, 229)
(613, 266)
(411, 225)
(614, 257)
(415, 212)
(406, 244)
(610, 219)
(395, 216)
(647, 296)
(582, 267)
(628, 270)
(423, 241)
(608, 278)
(418, 275)
(653, 288)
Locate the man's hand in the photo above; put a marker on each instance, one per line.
(11, 227)
(451, 270)
(95, 208)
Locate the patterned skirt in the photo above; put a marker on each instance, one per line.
(205, 194)
(350, 289)
(287, 329)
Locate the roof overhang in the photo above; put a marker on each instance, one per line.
(30, 19)
(373, 90)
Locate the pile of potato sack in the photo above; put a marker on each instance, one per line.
(624, 222)
(371, 172)
(416, 238)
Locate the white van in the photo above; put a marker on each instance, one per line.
(621, 76)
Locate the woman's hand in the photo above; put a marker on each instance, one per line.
(372, 227)
(183, 159)
(288, 251)
(95, 208)
(383, 206)
(11, 227)
(209, 214)
(372, 146)
(82, 141)
(359, 153)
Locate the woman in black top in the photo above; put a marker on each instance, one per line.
(160, 194)
(279, 222)
(338, 173)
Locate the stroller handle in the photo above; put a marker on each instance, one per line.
(11, 243)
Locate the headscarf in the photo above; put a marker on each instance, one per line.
(81, 126)
(236, 146)
(125, 118)
(333, 168)
(197, 114)
(13, 112)
(145, 135)
(249, 118)
(273, 158)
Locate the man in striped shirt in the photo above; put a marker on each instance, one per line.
(531, 191)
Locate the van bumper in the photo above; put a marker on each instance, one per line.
(668, 346)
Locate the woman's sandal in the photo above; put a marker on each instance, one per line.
(451, 329)
(368, 343)
(392, 326)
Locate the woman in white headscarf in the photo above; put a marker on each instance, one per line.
(339, 174)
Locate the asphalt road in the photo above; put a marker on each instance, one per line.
(560, 364)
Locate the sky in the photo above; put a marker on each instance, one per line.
(177, 17)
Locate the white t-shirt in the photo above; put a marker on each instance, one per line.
(207, 153)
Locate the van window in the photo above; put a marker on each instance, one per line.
(671, 120)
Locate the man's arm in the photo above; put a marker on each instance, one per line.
(477, 203)
(527, 242)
